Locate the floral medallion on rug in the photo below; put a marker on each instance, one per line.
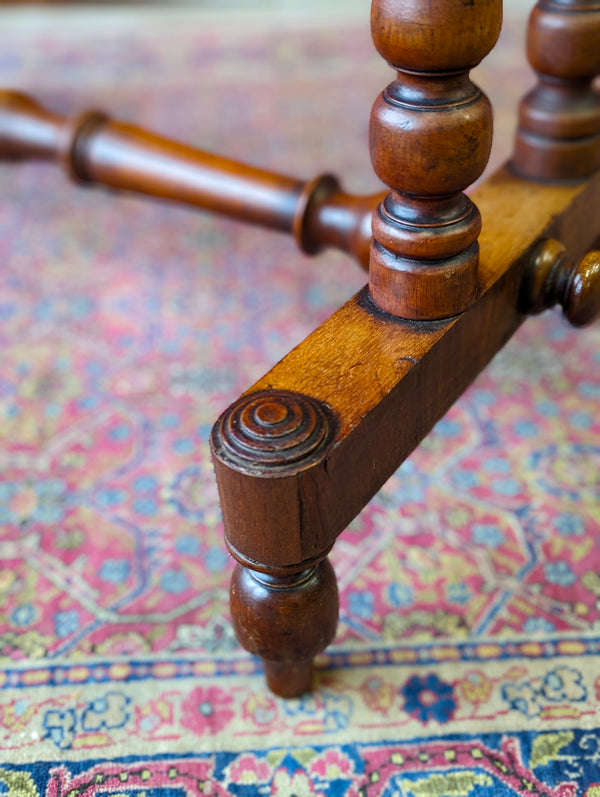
(467, 660)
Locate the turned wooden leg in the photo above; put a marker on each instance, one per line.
(270, 456)
(286, 619)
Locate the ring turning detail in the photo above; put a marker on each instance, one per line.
(273, 429)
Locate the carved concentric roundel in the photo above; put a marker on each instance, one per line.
(273, 429)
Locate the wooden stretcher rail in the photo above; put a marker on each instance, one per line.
(92, 148)
(388, 381)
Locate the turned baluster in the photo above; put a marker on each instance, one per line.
(430, 137)
(559, 120)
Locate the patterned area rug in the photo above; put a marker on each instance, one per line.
(467, 657)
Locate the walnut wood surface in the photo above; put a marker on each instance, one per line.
(93, 148)
(388, 381)
(261, 607)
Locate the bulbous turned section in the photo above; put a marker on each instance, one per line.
(430, 138)
(553, 279)
(286, 620)
(562, 38)
(558, 137)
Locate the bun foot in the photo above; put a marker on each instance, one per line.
(286, 619)
(289, 679)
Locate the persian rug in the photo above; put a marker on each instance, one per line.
(467, 660)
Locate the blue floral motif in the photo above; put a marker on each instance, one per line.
(522, 698)
(411, 485)
(88, 402)
(170, 421)
(582, 420)
(215, 560)
(65, 623)
(332, 711)
(569, 525)
(106, 712)
(559, 685)
(400, 594)
(110, 496)
(428, 698)
(23, 615)
(52, 410)
(174, 581)
(447, 428)
(50, 488)
(458, 593)
(488, 534)
(146, 505)
(526, 428)
(411, 492)
(184, 446)
(109, 711)
(361, 604)
(188, 545)
(559, 573)
(145, 484)
(496, 464)
(115, 571)
(547, 407)
(564, 683)
(59, 726)
(119, 433)
(535, 625)
(589, 390)
(50, 503)
(465, 478)
(484, 397)
(509, 487)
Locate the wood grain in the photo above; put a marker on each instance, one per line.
(388, 381)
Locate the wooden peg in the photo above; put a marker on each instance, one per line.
(552, 279)
(558, 137)
(430, 138)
